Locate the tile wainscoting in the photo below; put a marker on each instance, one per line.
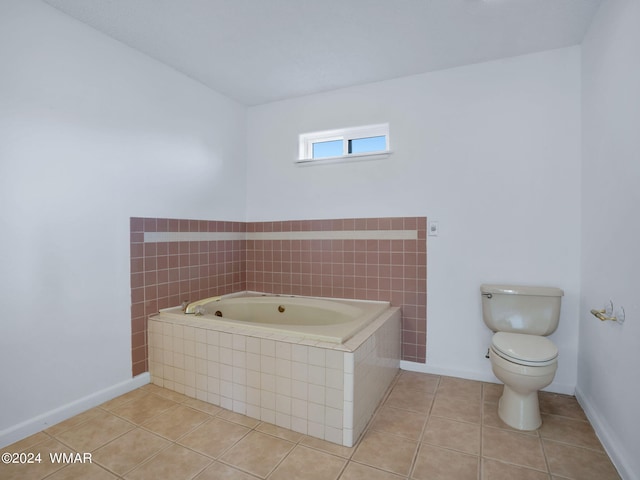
(175, 260)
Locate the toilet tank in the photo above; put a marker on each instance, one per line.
(521, 309)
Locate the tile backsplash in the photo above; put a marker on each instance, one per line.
(365, 258)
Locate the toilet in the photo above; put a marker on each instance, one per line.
(521, 356)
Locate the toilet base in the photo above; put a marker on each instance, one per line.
(519, 411)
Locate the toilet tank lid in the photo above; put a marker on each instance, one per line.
(522, 290)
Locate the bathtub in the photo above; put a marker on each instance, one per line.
(313, 365)
(334, 320)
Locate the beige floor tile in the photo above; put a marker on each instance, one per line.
(95, 432)
(27, 443)
(417, 381)
(447, 433)
(399, 422)
(128, 451)
(122, 399)
(202, 406)
(490, 418)
(239, 418)
(558, 404)
(176, 421)
(434, 463)
(39, 469)
(220, 471)
(280, 432)
(332, 448)
(304, 463)
(513, 447)
(412, 400)
(578, 463)
(214, 437)
(257, 453)
(465, 410)
(494, 470)
(175, 463)
(387, 452)
(246, 448)
(141, 409)
(82, 471)
(451, 387)
(73, 421)
(491, 392)
(568, 430)
(357, 471)
(164, 392)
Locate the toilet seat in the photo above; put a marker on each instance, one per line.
(530, 350)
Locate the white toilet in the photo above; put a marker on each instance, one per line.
(521, 357)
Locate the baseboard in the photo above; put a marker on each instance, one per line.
(616, 450)
(34, 425)
(479, 376)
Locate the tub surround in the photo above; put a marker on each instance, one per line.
(175, 260)
(322, 389)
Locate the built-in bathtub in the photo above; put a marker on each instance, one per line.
(316, 366)
(325, 320)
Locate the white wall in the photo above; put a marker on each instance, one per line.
(491, 151)
(91, 133)
(609, 356)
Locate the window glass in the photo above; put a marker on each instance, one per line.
(332, 148)
(368, 144)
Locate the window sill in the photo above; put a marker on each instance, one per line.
(354, 157)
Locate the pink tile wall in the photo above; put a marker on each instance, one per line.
(368, 269)
(165, 274)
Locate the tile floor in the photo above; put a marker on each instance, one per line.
(428, 427)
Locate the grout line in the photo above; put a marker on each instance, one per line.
(544, 455)
(347, 461)
(153, 457)
(202, 469)
(281, 461)
(481, 449)
(424, 428)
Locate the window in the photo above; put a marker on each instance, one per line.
(344, 144)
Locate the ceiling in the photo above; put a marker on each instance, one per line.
(259, 51)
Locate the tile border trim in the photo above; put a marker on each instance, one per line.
(157, 237)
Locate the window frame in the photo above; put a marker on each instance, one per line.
(307, 140)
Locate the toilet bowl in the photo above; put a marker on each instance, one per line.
(525, 364)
